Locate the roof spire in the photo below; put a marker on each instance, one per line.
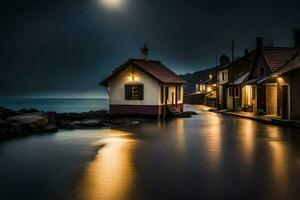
(145, 53)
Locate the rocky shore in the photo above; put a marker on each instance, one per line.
(27, 122)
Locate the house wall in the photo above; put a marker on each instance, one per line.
(150, 105)
(220, 80)
(240, 66)
(260, 63)
(237, 102)
(117, 90)
(295, 95)
(221, 89)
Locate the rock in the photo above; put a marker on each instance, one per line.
(82, 116)
(50, 128)
(25, 111)
(33, 120)
(5, 113)
(92, 123)
(75, 124)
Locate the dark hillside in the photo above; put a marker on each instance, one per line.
(193, 78)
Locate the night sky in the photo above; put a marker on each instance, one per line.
(64, 48)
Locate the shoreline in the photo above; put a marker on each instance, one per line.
(26, 122)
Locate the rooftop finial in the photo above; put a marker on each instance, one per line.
(145, 52)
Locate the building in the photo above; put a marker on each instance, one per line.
(267, 87)
(230, 81)
(207, 90)
(144, 87)
(280, 93)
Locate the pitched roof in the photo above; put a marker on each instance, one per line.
(276, 57)
(293, 64)
(240, 79)
(151, 67)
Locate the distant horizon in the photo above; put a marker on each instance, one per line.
(54, 98)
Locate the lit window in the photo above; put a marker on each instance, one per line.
(134, 92)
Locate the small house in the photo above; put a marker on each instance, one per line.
(230, 80)
(207, 90)
(144, 87)
(281, 88)
(266, 90)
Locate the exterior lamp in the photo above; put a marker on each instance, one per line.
(210, 76)
(279, 79)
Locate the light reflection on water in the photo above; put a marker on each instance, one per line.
(209, 156)
(111, 174)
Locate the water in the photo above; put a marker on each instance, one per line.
(209, 156)
(58, 105)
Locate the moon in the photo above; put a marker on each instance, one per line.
(112, 4)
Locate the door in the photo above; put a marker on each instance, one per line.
(271, 99)
(284, 97)
(166, 95)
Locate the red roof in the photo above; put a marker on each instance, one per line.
(292, 65)
(276, 57)
(151, 67)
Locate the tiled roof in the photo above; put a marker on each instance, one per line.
(276, 57)
(289, 67)
(153, 68)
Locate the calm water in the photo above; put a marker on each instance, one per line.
(58, 105)
(209, 156)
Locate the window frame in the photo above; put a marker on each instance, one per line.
(139, 93)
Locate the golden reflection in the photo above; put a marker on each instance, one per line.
(111, 175)
(280, 168)
(274, 132)
(247, 142)
(180, 136)
(213, 141)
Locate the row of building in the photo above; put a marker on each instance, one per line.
(265, 81)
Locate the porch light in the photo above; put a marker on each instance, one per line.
(279, 79)
(210, 76)
(131, 78)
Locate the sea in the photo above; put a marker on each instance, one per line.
(59, 105)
